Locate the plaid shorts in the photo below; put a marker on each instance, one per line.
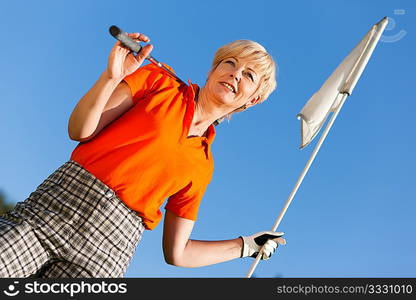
(73, 225)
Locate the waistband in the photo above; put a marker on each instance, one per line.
(71, 174)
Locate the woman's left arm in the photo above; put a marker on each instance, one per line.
(180, 251)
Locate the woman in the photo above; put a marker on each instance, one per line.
(144, 137)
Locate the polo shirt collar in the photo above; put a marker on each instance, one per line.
(192, 91)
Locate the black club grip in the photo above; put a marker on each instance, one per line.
(125, 39)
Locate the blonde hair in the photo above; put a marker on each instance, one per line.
(263, 63)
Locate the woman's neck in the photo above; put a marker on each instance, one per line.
(205, 113)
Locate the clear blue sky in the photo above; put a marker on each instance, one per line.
(353, 216)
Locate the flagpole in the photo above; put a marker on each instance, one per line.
(300, 179)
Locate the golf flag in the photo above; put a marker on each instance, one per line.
(342, 81)
(330, 98)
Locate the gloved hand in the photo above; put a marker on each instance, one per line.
(253, 243)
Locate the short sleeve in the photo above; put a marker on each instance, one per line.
(144, 81)
(185, 203)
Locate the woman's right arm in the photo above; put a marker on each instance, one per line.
(110, 96)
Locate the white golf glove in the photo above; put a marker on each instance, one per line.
(252, 244)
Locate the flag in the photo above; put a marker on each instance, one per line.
(341, 81)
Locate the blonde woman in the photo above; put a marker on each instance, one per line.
(143, 137)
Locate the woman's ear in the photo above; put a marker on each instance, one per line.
(253, 102)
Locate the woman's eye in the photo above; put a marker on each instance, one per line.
(230, 62)
(250, 75)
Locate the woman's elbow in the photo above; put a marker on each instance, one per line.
(174, 259)
(72, 135)
(78, 135)
(75, 137)
(73, 132)
(170, 259)
(78, 130)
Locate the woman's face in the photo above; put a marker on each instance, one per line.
(233, 83)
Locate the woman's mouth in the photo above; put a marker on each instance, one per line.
(228, 86)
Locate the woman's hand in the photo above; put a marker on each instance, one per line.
(268, 240)
(122, 62)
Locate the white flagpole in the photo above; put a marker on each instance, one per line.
(305, 170)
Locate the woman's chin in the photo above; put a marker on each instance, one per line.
(226, 98)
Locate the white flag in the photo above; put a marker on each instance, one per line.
(341, 81)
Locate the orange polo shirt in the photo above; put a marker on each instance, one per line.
(145, 156)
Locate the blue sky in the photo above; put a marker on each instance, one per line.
(353, 216)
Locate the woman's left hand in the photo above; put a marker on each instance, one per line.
(268, 240)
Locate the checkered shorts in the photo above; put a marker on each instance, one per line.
(73, 225)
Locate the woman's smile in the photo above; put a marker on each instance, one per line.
(229, 87)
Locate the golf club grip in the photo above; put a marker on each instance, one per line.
(125, 39)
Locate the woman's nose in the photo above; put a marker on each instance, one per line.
(236, 77)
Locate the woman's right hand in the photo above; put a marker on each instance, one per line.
(122, 62)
